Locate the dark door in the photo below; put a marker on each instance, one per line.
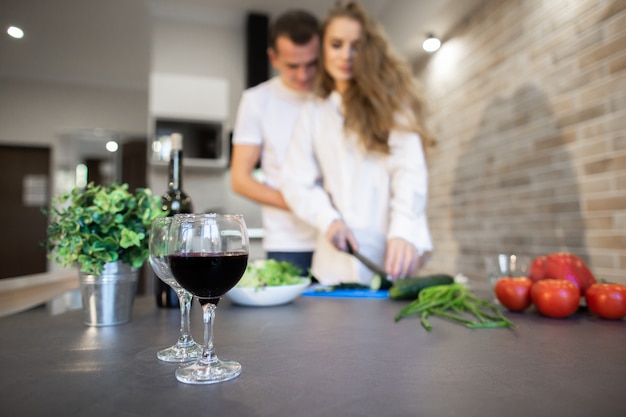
(94, 172)
(134, 161)
(134, 173)
(25, 183)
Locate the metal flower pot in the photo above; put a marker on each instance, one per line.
(108, 298)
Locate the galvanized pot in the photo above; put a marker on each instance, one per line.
(108, 298)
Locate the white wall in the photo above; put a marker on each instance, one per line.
(215, 51)
(38, 113)
(192, 48)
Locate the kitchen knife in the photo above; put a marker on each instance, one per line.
(368, 263)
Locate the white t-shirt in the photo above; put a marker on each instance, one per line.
(328, 175)
(266, 117)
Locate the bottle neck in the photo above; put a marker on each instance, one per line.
(176, 171)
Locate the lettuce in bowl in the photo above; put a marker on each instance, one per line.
(271, 273)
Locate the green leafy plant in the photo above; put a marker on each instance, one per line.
(98, 224)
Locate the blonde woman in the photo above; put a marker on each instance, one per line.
(355, 168)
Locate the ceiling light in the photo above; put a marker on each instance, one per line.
(15, 32)
(111, 146)
(431, 44)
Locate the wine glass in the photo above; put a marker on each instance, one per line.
(208, 254)
(185, 349)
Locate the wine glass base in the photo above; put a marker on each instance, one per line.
(180, 354)
(198, 373)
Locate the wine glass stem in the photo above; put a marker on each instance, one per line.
(184, 300)
(208, 352)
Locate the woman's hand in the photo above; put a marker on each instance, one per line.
(339, 234)
(403, 259)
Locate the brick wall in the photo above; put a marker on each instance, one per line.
(528, 103)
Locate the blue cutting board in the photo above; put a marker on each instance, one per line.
(319, 291)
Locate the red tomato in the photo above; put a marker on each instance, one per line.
(514, 293)
(562, 266)
(557, 298)
(607, 300)
(537, 267)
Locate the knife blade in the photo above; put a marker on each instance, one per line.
(368, 263)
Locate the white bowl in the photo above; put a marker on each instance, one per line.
(267, 296)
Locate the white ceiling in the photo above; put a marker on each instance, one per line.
(107, 42)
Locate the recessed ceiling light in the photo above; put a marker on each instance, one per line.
(431, 44)
(111, 146)
(15, 32)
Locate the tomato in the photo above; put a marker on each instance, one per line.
(536, 271)
(514, 293)
(557, 298)
(562, 266)
(607, 300)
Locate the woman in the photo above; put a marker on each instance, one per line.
(355, 168)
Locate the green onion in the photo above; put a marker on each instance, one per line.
(456, 303)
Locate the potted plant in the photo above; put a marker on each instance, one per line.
(103, 230)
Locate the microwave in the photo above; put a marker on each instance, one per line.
(205, 144)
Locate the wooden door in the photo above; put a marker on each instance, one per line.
(134, 163)
(24, 186)
(134, 172)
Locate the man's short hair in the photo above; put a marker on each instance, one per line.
(297, 25)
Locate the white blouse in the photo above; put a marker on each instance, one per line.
(328, 175)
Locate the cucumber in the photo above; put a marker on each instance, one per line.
(349, 286)
(379, 283)
(409, 288)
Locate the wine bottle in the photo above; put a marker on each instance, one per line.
(175, 201)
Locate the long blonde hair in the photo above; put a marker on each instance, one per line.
(382, 89)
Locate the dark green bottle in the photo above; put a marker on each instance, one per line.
(175, 200)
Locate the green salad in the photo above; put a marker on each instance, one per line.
(271, 273)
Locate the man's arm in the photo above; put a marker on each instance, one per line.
(243, 162)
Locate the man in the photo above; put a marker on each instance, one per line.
(265, 121)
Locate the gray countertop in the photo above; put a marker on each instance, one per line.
(315, 357)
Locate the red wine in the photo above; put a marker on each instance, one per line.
(208, 275)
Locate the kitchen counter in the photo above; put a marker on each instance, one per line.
(315, 357)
